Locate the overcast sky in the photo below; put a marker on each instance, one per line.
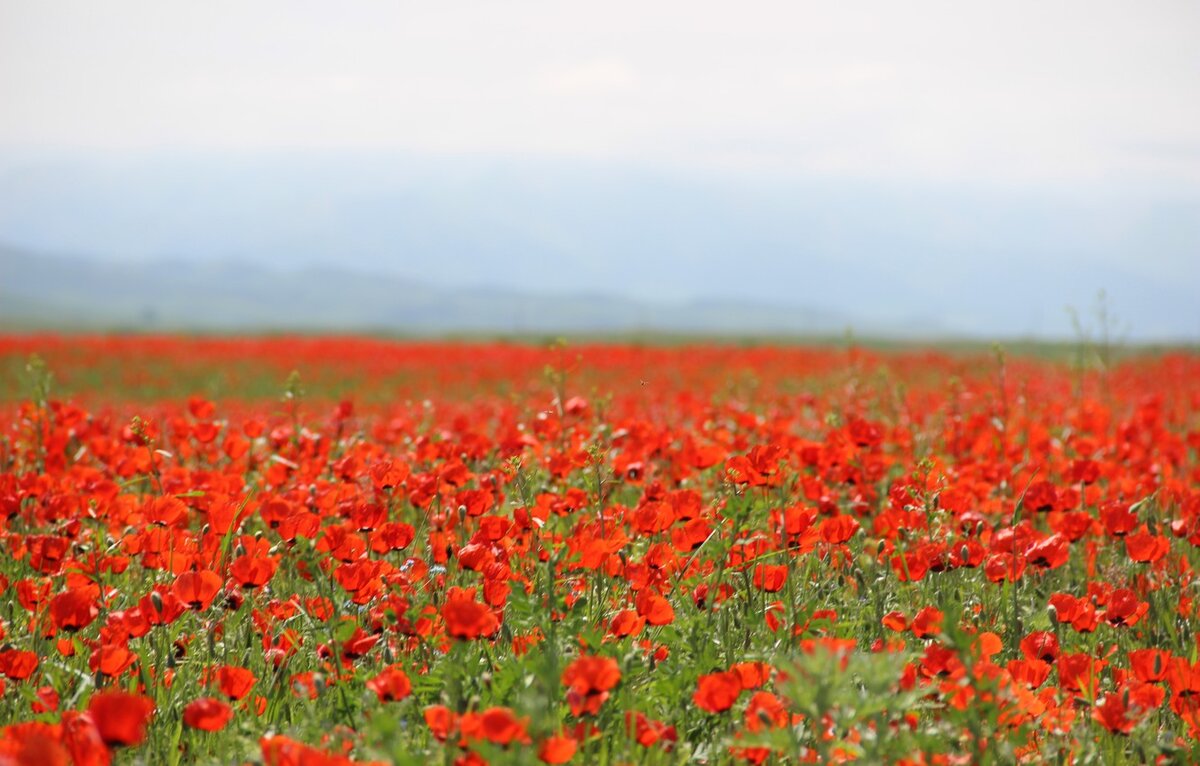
(1004, 92)
(961, 137)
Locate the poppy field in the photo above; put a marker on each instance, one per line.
(322, 550)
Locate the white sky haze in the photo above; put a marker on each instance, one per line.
(1011, 92)
(930, 151)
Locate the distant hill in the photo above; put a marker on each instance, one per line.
(54, 291)
(508, 244)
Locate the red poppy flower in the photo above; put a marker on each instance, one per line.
(838, 529)
(33, 744)
(1041, 496)
(999, 567)
(1079, 673)
(1112, 712)
(751, 675)
(467, 618)
(765, 710)
(111, 659)
(76, 608)
(1040, 645)
(120, 718)
(282, 751)
(161, 607)
(1049, 553)
(17, 664)
(303, 685)
(987, 645)
(927, 622)
(556, 749)
(47, 700)
(441, 720)
(589, 680)
(392, 536)
(1031, 673)
(627, 623)
(197, 589)
(1184, 680)
(1124, 608)
(1146, 548)
(1079, 612)
(497, 725)
(1117, 518)
(656, 609)
(649, 732)
(358, 644)
(207, 714)
(942, 662)
(387, 474)
(82, 740)
(235, 682)
(253, 571)
(716, 692)
(895, 621)
(770, 578)
(165, 511)
(1150, 665)
(391, 684)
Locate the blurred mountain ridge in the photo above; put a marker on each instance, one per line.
(39, 290)
(508, 244)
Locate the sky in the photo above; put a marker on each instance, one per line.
(1017, 105)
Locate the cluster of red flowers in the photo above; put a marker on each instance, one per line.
(698, 553)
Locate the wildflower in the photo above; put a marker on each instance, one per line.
(467, 618)
(120, 718)
(391, 684)
(589, 681)
(207, 714)
(197, 589)
(716, 692)
(235, 682)
(557, 749)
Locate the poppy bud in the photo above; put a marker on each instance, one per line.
(156, 601)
